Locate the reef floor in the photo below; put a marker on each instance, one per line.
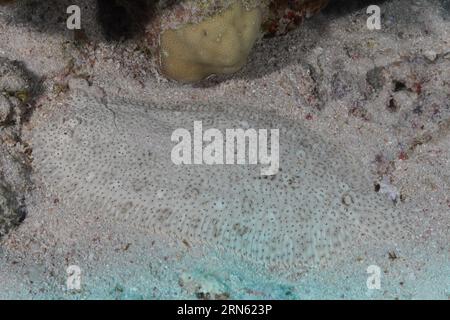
(381, 95)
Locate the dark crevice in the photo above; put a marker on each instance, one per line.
(121, 19)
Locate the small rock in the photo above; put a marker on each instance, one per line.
(204, 286)
(5, 109)
(78, 84)
(390, 190)
(11, 213)
(430, 55)
(12, 76)
(376, 78)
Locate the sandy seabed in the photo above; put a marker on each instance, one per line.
(382, 96)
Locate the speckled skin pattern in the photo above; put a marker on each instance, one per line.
(112, 159)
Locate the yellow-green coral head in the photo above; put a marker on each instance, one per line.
(218, 45)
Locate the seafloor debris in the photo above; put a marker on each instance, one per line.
(285, 15)
(204, 286)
